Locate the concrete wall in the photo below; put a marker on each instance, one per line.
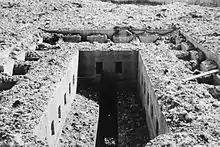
(88, 59)
(154, 117)
(53, 119)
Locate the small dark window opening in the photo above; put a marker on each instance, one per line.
(59, 112)
(69, 88)
(52, 128)
(144, 87)
(152, 112)
(73, 79)
(140, 79)
(118, 67)
(65, 98)
(157, 128)
(99, 67)
(148, 97)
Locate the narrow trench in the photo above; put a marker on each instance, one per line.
(122, 121)
(107, 126)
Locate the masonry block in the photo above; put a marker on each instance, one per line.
(197, 55)
(32, 56)
(6, 65)
(184, 46)
(123, 36)
(17, 54)
(97, 38)
(148, 38)
(187, 46)
(72, 38)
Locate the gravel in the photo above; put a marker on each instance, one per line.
(132, 127)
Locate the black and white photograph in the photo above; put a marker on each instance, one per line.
(109, 73)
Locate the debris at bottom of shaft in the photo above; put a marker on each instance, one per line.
(202, 74)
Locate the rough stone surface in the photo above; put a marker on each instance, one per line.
(72, 38)
(123, 36)
(6, 66)
(197, 55)
(97, 38)
(148, 38)
(208, 65)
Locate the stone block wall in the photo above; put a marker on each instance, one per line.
(155, 120)
(54, 117)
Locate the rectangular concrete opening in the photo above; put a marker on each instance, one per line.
(112, 77)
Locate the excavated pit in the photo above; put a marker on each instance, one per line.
(129, 113)
(122, 118)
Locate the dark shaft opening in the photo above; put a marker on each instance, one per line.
(108, 127)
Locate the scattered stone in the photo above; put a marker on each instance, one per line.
(193, 64)
(32, 56)
(208, 65)
(50, 38)
(215, 92)
(6, 66)
(148, 38)
(123, 36)
(46, 46)
(186, 46)
(72, 38)
(97, 38)
(183, 55)
(197, 55)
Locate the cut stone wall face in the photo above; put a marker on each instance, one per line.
(53, 119)
(90, 59)
(155, 120)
